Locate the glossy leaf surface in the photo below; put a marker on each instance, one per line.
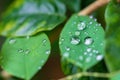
(82, 42)
(23, 57)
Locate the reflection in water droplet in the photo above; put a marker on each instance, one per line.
(20, 50)
(66, 54)
(67, 48)
(81, 26)
(77, 33)
(91, 16)
(75, 40)
(99, 57)
(88, 41)
(47, 52)
(12, 41)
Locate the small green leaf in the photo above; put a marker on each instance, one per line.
(82, 42)
(28, 17)
(23, 57)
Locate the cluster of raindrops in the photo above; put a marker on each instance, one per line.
(26, 51)
(89, 54)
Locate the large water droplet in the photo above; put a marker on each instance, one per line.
(99, 57)
(20, 50)
(12, 41)
(81, 26)
(75, 40)
(88, 41)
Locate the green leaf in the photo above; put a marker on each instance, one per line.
(112, 56)
(23, 57)
(82, 42)
(73, 5)
(28, 17)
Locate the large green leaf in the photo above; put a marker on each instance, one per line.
(23, 57)
(112, 56)
(28, 17)
(82, 42)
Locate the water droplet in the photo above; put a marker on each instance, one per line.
(85, 53)
(81, 57)
(67, 48)
(95, 51)
(39, 67)
(44, 40)
(42, 61)
(77, 33)
(47, 52)
(20, 50)
(99, 57)
(81, 26)
(88, 59)
(89, 49)
(75, 40)
(91, 16)
(12, 41)
(27, 51)
(95, 19)
(66, 54)
(88, 41)
(90, 23)
(27, 37)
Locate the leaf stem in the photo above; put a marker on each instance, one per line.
(92, 7)
(93, 74)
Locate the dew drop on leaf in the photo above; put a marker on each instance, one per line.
(81, 57)
(47, 52)
(88, 41)
(77, 33)
(27, 51)
(67, 48)
(20, 50)
(81, 26)
(99, 57)
(12, 41)
(89, 49)
(66, 54)
(75, 40)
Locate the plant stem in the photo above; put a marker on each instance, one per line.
(92, 7)
(78, 75)
(93, 74)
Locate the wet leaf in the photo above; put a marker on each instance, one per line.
(28, 17)
(23, 57)
(112, 57)
(82, 42)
